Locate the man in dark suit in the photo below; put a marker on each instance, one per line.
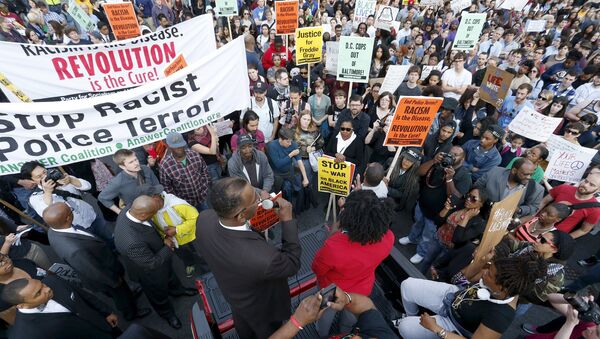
(98, 268)
(53, 309)
(251, 273)
(149, 257)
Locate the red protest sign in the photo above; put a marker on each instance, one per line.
(265, 219)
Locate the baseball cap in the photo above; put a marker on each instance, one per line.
(260, 87)
(496, 131)
(412, 155)
(450, 104)
(245, 140)
(175, 140)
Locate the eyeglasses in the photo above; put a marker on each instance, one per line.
(570, 131)
(345, 129)
(544, 99)
(246, 13)
(257, 200)
(471, 198)
(304, 73)
(411, 48)
(546, 241)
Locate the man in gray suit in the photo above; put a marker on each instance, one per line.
(500, 182)
(96, 265)
(149, 257)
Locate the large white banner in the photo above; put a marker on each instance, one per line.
(567, 162)
(533, 125)
(61, 73)
(57, 133)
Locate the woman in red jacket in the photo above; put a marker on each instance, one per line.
(349, 257)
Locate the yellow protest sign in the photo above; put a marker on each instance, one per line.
(309, 45)
(335, 178)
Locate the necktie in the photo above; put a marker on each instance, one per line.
(79, 228)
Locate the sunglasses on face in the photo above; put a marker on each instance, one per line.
(544, 99)
(345, 129)
(304, 73)
(572, 132)
(471, 198)
(546, 241)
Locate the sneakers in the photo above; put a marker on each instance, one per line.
(189, 271)
(404, 241)
(529, 328)
(416, 259)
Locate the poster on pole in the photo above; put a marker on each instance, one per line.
(393, 78)
(226, 8)
(286, 13)
(458, 5)
(123, 20)
(331, 56)
(362, 10)
(533, 125)
(500, 216)
(264, 219)
(60, 133)
(384, 19)
(412, 120)
(81, 16)
(63, 73)
(535, 26)
(495, 86)
(354, 59)
(335, 178)
(469, 31)
(309, 45)
(569, 165)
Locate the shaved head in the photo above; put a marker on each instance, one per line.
(143, 207)
(58, 215)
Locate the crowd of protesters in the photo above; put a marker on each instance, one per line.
(191, 194)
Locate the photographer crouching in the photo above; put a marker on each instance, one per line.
(54, 186)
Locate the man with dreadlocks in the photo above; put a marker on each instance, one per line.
(349, 257)
(481, 310)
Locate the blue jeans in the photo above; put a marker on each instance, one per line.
(422, 232)
(214, 171)
(309, 172)
(22, 194)
(435, 250)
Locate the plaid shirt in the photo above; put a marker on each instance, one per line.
(189, 182)
(569, 92)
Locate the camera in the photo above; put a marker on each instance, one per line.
(54, 175)
(447, 160)
(588, 311)
(289, 113)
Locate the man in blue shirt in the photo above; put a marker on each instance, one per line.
(283, 153)
(557, 72)
(512, 105)
(482, 155)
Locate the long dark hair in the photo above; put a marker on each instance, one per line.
(365, 218)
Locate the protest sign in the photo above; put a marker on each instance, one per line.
(265, 219)
(331, 56)
(309, 45)
(427, 70)
(410, 2)
(468, 31)
(516, 5)
(434, 3)
(354, 59)
(60, 73)
(335, 178)
(495, 86)
(226, 8)
(533, 125)
(286, 13)
(385, 17)
(412, 120)
(500, 217)
(223, 127)
(535, 26)
(393, 78)
(176, 65)
(569, 165)
(123, 20)
(81, 16)
(362, 10)
(58, 133)
(458, 5)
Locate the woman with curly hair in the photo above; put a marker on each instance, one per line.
(350, 256)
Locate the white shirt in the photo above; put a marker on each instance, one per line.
(50, 307)
(134, 219)
(83, 213)
(242, 228)
(73, 231)
(586, 92)
(456, 80)
(264, 123)
(380, 190)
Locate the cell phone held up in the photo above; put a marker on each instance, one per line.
(327, 295)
